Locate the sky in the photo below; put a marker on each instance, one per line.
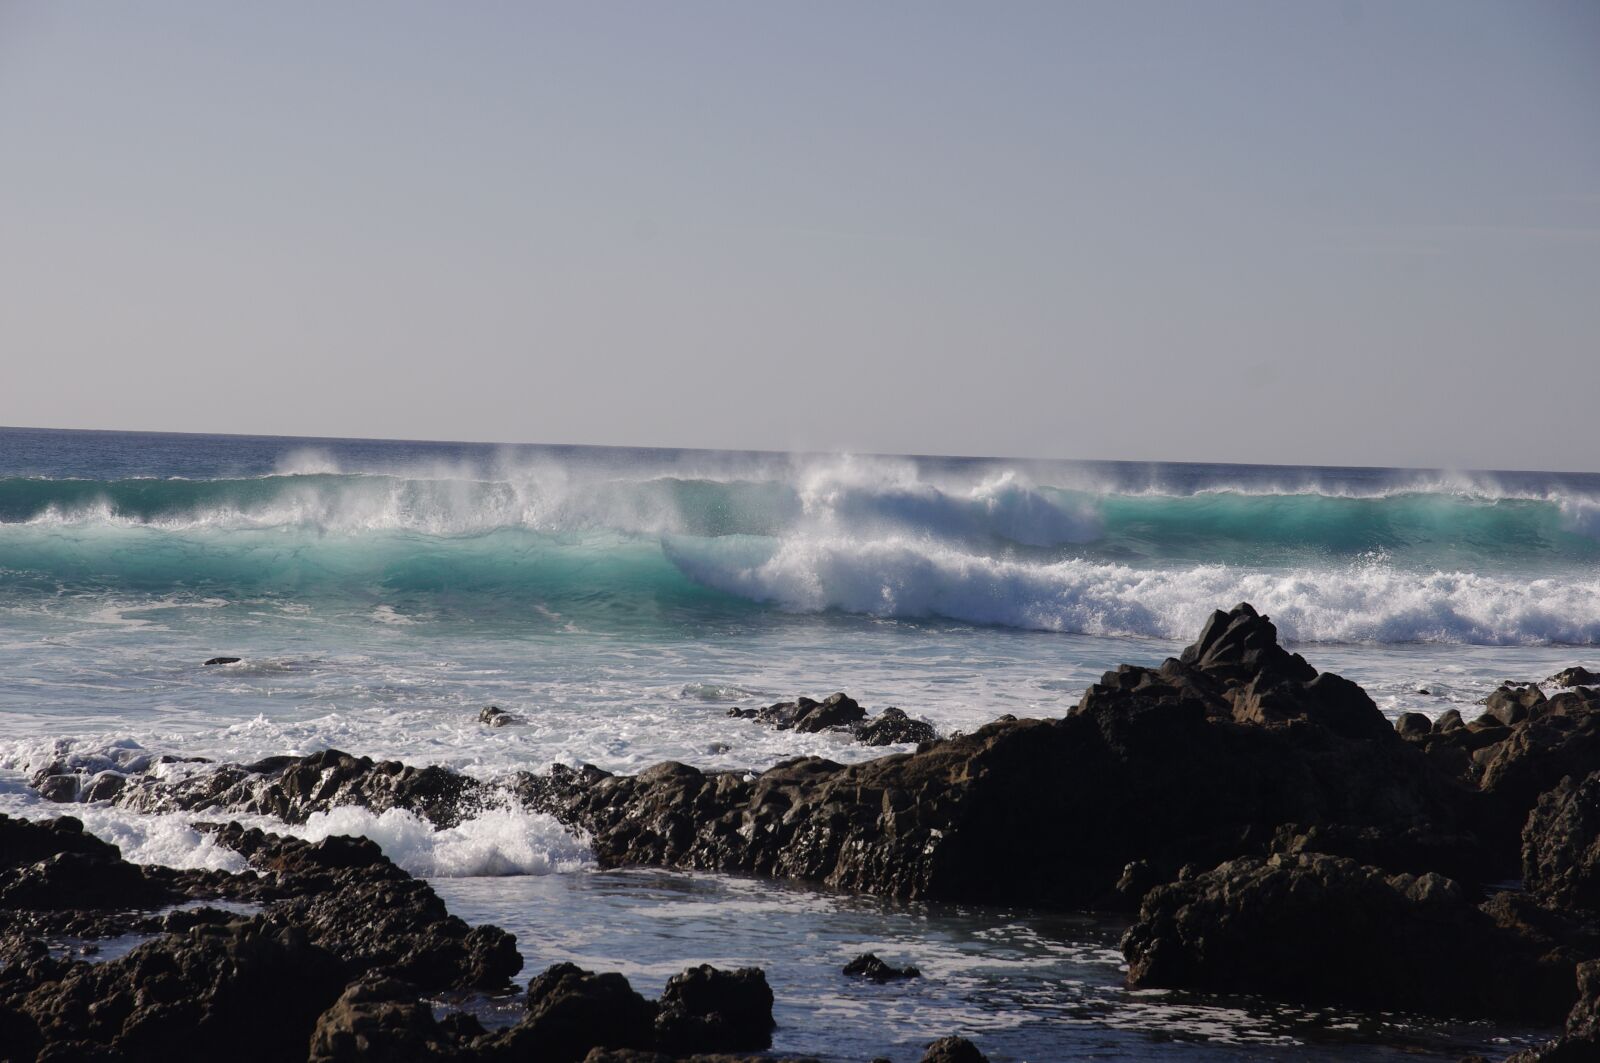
(1339, 233)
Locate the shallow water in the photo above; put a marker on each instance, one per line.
(1023, 984)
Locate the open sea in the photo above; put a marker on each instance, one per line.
(381, 593)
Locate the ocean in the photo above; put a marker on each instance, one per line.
(381, 593)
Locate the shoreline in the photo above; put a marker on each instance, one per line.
(1234, 771)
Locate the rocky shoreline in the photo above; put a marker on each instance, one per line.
(1270, 830)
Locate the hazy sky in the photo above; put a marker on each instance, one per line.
(1284, 232)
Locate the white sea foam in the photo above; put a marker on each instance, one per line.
(906, 577)
(494, 842)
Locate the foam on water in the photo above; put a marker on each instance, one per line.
(1374, 602)
(496, 842)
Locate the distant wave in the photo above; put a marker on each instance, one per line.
(882, 537)
(1372, 602)
(993, 512)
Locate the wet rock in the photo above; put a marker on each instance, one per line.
(571, 1011)
(495, 716)
(953, 1050)
(871, 968)
(893, 727)
(1449, 721)
(841, 713)
(291, 788)
(378, 1017)
(1189, 763)
(1512, 705)
(1325, 929)
(1413, 725)
(1537, 754)
(249, 991)
(707, 1010)
(223, 660)
(1561, 845)
(55, 865)
(353, 901)
(836, 713)
(1576, 676)
(62, 789)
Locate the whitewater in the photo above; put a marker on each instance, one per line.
(379, 594)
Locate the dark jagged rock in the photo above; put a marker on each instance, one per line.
(292, 788)
(1576, 676)
(953, 1050)
(1414, 851)
(835, 713)
(841, 713)
(871, 968)
(893, 727)
(1449, 721)
(571, 1011)
(378, 1017)
(1325, 929)
(353, 901)
(1561, 845)
(223, 660)
(707, 1010)
(1512, 704)
(1413, 725)
(495, 716)
(25, 841)
(1534, 756)
(1189, 763)
(248, 991)
(55, 865)
(225, 985)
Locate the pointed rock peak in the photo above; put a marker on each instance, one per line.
(1240, 644)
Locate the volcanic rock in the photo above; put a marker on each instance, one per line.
(1576, 676)
(871, 968)
(707, 1010)
(1413, 724)
(953, 1050)
(1325, 929)
(893, 727)
(1512, 704)
(1198, 761)
(1561, 845)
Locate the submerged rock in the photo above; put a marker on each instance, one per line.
(893, 727)
(223, 660)
(292, 788)
(841, 713)
(1325, 929)
(871, 968)
(835, 713)
(1576, 676)
(495, 716)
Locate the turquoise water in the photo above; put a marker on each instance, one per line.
(621, 601)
